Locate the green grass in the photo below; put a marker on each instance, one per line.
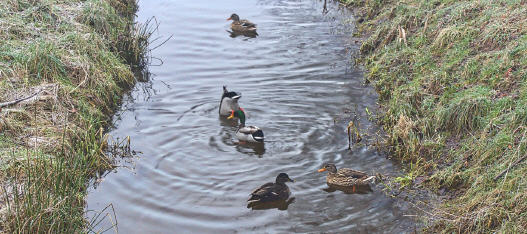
(82, 55)
(453, 93)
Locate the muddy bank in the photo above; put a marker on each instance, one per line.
(451, 79)
(64, 66)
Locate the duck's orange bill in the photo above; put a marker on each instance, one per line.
(229, 18)
(231, 116)
(321, 170)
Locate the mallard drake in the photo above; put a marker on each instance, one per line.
(247, 133)
(229, 102)
(242, 26)
(271, 192)
(345, 177)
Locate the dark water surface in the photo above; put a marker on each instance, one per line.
(297, 84)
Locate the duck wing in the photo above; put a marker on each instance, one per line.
(247, 23)
(270, 193)
(346, 172)
(260, 192)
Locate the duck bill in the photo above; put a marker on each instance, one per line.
(231, 116)
(291, 180)
(321, 170)
(236, 97)
(229, 18)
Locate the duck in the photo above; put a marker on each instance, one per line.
(345, 177)
(271, 192)
(229, 102)
(242, 26)
(247, 133)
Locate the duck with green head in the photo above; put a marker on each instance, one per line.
(247, 133)
(242, 26)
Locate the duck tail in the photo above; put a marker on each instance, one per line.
(370, 179)
(225, 89)
(258, 135)
(251, 203)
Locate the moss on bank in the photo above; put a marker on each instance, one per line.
(79, 57)
(451, 78)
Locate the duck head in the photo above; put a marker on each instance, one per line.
(240, 114)
(282, 178)
(234, 17)
(330, 167)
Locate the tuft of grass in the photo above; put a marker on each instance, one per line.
(80, 57)
(42, 62)
(453, 91)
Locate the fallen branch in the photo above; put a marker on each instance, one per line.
(4, 104)
(510, 167)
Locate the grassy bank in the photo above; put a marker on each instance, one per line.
(451, 78)
(75, 59)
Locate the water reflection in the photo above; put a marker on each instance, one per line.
(234, 34)
(359, 189)
(251, 148)
(224, 122)
(280, 205)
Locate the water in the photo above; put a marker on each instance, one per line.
(297, 84)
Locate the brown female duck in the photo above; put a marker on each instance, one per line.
(242, 26)
(271, 192)
(345, 177)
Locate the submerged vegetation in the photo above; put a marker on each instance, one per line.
(452, 82)
(75, 59)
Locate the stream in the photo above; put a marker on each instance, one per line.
(298, 84)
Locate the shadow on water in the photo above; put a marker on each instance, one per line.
(361, 189)
(250, 148)
(245, 34)
(280, 205)
(224, 122)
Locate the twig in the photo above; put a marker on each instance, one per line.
(402, 35)
(4, 104)
(426, 24)
(510, 167)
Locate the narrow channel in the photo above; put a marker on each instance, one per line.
(297, 83)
